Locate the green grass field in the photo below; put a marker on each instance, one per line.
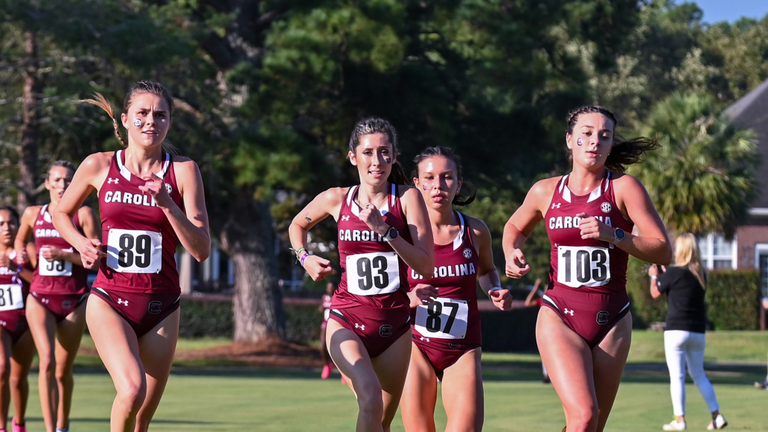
(251, 399)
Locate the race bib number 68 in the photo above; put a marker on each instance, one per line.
(135, 251)
(579, 266)
(373, 273)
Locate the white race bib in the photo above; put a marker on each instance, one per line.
(11, 297)
(135, 251)
(583, 266)
(444, 318)
(54, 268)
(373, 273)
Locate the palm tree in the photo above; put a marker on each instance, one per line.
(701, 178)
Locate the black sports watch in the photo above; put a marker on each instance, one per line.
(618, 236)
(391, 234)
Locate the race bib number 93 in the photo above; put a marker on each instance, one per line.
(373, 273)
(135, 251)
(583, 266)
(54, 268)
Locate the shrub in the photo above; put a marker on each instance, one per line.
(733, 299)
(206, 316)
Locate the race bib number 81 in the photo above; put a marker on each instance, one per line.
(583, 266)
(444, 318)
(11, 297)
(135, 251)
(54, 268)
(373, 273)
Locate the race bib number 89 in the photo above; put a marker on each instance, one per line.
(11, 297)
(373, 273)
(583, 266)
(54, 268)
(444, 318)
(135, 251)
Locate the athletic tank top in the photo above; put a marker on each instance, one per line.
(454, 315)
(13, 290)
(60, 276)
(140, 241)
(372, 274)
(587, 264)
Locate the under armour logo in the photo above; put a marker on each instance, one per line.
(345, 218)
(424, 339)
(360, 326)
(112, 180)
(45, 301)
(569, 311)
(556, 205)
(122, 302)
(3, 323)
(39, 222)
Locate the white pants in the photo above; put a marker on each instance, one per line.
(683, 347)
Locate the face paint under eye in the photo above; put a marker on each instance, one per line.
(137, 122)
(425, 187)
(579, 142)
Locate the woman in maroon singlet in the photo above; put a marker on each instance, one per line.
(383, 229)
(56, 306)
(149, 201)
(16, 345)
(445, 318)
(584, 327)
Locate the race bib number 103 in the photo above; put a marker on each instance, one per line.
(579, 266)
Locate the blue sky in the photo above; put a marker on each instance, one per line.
(730, 10)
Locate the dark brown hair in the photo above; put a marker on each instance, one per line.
(372, 125)
(13, 212)
(625, 151)
(447, 153)
(140, 87)
(60, 163)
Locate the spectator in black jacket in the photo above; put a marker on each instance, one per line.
(684, 341)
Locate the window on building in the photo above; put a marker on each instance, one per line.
(717, 252)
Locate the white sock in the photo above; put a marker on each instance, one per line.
(66, 429)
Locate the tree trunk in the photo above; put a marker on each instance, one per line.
(248, 237)
(30, 129)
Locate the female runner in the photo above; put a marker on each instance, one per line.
(584, 329)
(446, 320)
(383, 229)
(149, 200)
(56, 308)
(17, 347)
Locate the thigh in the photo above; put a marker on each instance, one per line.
(42, 325)
(419, 393)
(568, 360)
(351, 358)
(22, 354)
(69, 333)
(391, 367)
(463, 393)
(610, 357)
(158, 346)
(115, 342)
(674, 351)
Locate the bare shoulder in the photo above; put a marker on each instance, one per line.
(408, 192)
(332, 196)
(86, 212)
(544, 188)
(478, 227)
(97, 161)
(31, 211)
(627, 184)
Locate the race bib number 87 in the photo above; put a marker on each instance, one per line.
(444, 318)
(373, 273)
(135, 251)
(583, 266)
(11, 297)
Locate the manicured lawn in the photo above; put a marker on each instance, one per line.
(238, 399)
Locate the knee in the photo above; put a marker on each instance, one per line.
(131, 395)
(19, 381)
(47, 362)
(369, 400)
(583, 418)
(62, 374)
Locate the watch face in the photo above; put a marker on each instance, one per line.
(392, 233)
(619, 233)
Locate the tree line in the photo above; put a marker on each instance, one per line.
(267, 92)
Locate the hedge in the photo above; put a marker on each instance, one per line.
(211, 316)
(732, 298)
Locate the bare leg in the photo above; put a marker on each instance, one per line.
(568, 360)
(5, 372)
(118, 348)
(609, 358)
(463, 393)
(417, 405)
(42, 325)
(69, 333)
(391, 367)
(352, 359)
(22, 354)
(157, 348)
